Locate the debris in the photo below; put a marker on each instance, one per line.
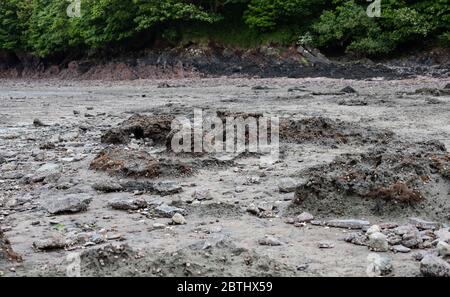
(202, 194)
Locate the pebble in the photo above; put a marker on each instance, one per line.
(349, 224)
(400, 249)
(325, 245)
(270, 240)
(304, 217)
(178, 219)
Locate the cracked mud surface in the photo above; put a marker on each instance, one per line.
(118, 217)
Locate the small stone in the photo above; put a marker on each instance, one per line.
(167, 188)
(378, 265)
(349, 224)
(159, 226)
(253, 209)
(287, 185)
(107, 186)
(168, 211)
(49, 173)
(434, 266)
(348, 90)
(373, 229)
(443, 234)
(378, 242)
(400, 249)
(202, 194)
(38, 123)
(356, 238)
(56, 242)
(422, 224)
(178, 219)
(270, 240)
(304, 217)
(443, 248)
(128, 204)
(70, 203)
(325, 245)
(418, 256)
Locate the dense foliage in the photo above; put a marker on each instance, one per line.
(44, 28)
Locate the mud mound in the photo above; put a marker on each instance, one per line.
(136, 163)
(389, 177)
(326, 131)
(154, 127)
(207, 258)
(6, 251)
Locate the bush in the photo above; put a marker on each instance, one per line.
(348, 26)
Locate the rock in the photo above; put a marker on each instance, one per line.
(115, 136)
(394, 239)
(447, 86)
(6, 251)
(69, 203)
(202, 194)
(443, 234)
(2, 160)
(178, 219)
(434, 266)
(253, 209)
(107, 186)
(373, 229)
(167, 211)
(377, 241)
(378, 265)
(159, 226)
(128, 204)
(55, 242)
(348, 90)
(356, 238)
(400, 249)
(270, 240)
(167, 188)
(304, 217)
(287, 185)
(325, 245)
(49, 172)
(349, 224)
(418, 256)
(443, 249)
(410, 235)
(38, 123)
(424, 225)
